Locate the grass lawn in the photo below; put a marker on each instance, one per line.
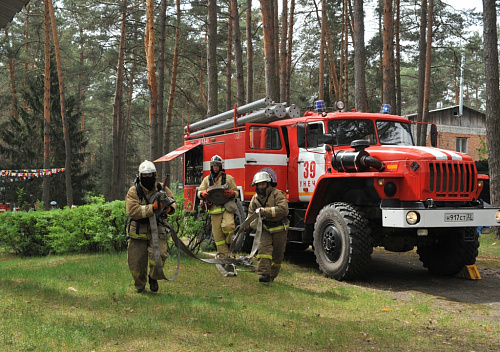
(88, 303)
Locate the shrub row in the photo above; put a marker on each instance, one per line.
(97, 227)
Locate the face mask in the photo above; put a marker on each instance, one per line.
(148, 182)
(260, 191)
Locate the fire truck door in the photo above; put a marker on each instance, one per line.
(265, 151)
(311, 160)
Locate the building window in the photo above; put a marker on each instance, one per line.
(462, 144)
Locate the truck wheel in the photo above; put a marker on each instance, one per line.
(450, 252)
(342, 242)
(244, 241)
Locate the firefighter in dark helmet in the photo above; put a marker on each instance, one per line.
(222, 219)
(272, 206)
(140, 248)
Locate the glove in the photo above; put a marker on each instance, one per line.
(156, 205)
(228, 193)
(205, 194)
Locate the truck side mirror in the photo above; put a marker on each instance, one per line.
(328, 138)
(434, 135)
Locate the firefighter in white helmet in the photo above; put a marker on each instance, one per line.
(140, 247)
(272, 206)
(222, 220)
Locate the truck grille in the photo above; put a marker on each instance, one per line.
(452, 178)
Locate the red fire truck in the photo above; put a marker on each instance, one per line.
(4, 207)
(354, 181)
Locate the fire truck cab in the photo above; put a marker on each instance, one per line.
(354, 181)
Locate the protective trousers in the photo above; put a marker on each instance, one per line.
(223, 228)
(139, 254)
(271, 252)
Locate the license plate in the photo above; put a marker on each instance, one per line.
(454, 217)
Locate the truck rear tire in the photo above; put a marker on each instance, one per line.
(342, 242)
(449, 252)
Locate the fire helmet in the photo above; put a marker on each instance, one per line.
(216, 160)
(261, 176)
(147, 167)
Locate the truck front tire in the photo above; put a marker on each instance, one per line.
(449, 251)
(342, 242)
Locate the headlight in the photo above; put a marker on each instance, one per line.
(480, 184)
(497, 216)
(412, 217)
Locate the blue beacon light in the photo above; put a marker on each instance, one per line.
(320, 105)
(386, 109)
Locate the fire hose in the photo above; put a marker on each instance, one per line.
(224, 265)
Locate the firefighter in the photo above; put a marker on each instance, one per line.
(272, 206)
(140, 247)
(222, 220)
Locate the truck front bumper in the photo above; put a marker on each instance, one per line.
(416, 215)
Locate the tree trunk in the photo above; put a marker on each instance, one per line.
(26, 49)
(321, 78)
(149, 41)
(117, 148)
(283, 52)
(46, 108)
(238, 54)
(360, 97)
(128, 118)
(422, 46)
(249, 52)
(269, 52)
(427, 83)
(388, 55)
(173, 82)
(341, 54)
(161, 85)
(289, 51)
(67, 144)
(12, 77)
(490, 35)
(398, 60)
(276, 40)
(80, 85)
(212, 59)
(229, 68)
(346, 54)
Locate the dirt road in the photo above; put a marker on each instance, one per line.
(402, 275)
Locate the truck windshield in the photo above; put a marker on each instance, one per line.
(345, 131)
(394, 133)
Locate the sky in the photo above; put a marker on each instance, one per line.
(371, 21)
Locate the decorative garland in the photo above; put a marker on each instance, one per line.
(21, 175)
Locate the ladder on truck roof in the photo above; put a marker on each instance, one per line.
(263, 111)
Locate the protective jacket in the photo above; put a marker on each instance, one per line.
(219, 179)
(140, 210)
(275, 224)
(222, 221)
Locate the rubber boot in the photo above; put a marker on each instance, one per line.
(265, 278)
(153, 284)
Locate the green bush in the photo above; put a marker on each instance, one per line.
(96, 227)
